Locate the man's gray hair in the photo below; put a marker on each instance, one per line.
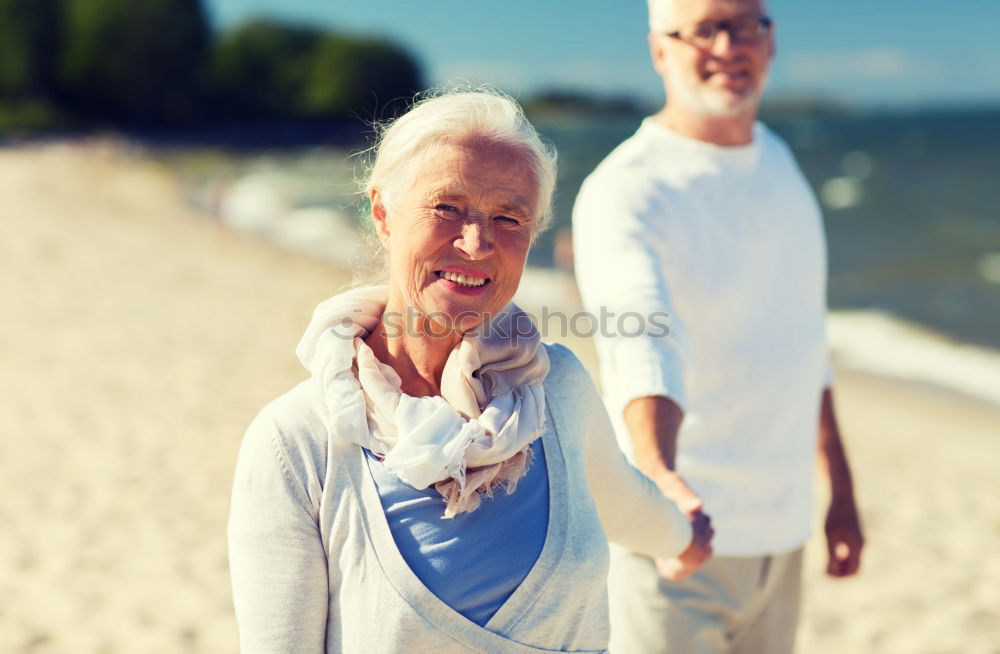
(450, 116)
(660, 14)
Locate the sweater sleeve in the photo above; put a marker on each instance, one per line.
(632, 510)
(642, 341)
(276, 556)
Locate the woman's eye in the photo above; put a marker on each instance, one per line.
(508, 220)
(445, 207)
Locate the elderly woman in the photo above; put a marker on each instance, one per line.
(443, 482)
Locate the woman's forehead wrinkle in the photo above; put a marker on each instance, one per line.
(518, 205)
(507, 199)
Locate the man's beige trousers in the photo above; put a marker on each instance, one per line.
(730, 606)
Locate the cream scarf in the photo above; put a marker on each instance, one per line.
(471, 440)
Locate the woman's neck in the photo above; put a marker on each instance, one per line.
(417, 357)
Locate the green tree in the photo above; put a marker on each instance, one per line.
(260, 69)
(265, 69)
(28, 41)
(358, 76)
(133, 61)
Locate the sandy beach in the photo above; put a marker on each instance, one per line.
(139, 339)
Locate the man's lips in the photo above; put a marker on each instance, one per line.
(728, 77)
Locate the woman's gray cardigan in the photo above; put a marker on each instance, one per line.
(315, 568)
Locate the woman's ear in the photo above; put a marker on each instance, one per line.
(379, 217)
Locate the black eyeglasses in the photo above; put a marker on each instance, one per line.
(744, 29)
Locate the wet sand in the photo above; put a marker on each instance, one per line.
(139, 339)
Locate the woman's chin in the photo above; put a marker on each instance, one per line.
(461, 311)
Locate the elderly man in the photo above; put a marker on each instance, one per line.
(704, 215)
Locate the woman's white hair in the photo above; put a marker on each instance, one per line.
(450, 116)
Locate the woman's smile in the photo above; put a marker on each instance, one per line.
(463, 282)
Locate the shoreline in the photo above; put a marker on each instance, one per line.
(882, 344)
(868, 342)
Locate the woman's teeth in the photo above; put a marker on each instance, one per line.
(462, 280)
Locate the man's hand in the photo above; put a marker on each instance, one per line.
(699, 551)
(843, 528)
(653, 423)
(844, 539)
(675, 488)
(695, 556)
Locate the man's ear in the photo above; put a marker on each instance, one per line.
(379, 217)
(657, 53)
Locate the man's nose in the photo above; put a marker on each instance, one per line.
(724, 44)
(475, 240)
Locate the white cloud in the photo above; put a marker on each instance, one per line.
(878, 63)
(603, 76)
(506, 76)
(584, 73)
(989, 64)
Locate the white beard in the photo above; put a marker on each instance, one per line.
(719, 103)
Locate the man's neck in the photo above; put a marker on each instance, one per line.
(718, 130)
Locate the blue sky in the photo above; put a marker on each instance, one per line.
(867, 52)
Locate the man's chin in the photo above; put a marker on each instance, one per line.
(725, 103)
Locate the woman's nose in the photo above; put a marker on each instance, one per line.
(475, 241)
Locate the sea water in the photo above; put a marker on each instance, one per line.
(911, 205)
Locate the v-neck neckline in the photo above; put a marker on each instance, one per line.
(428, 605)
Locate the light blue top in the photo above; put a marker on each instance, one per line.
(474, 561)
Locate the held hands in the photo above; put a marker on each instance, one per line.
(844, 539)
(700, 549)
(695, 556)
